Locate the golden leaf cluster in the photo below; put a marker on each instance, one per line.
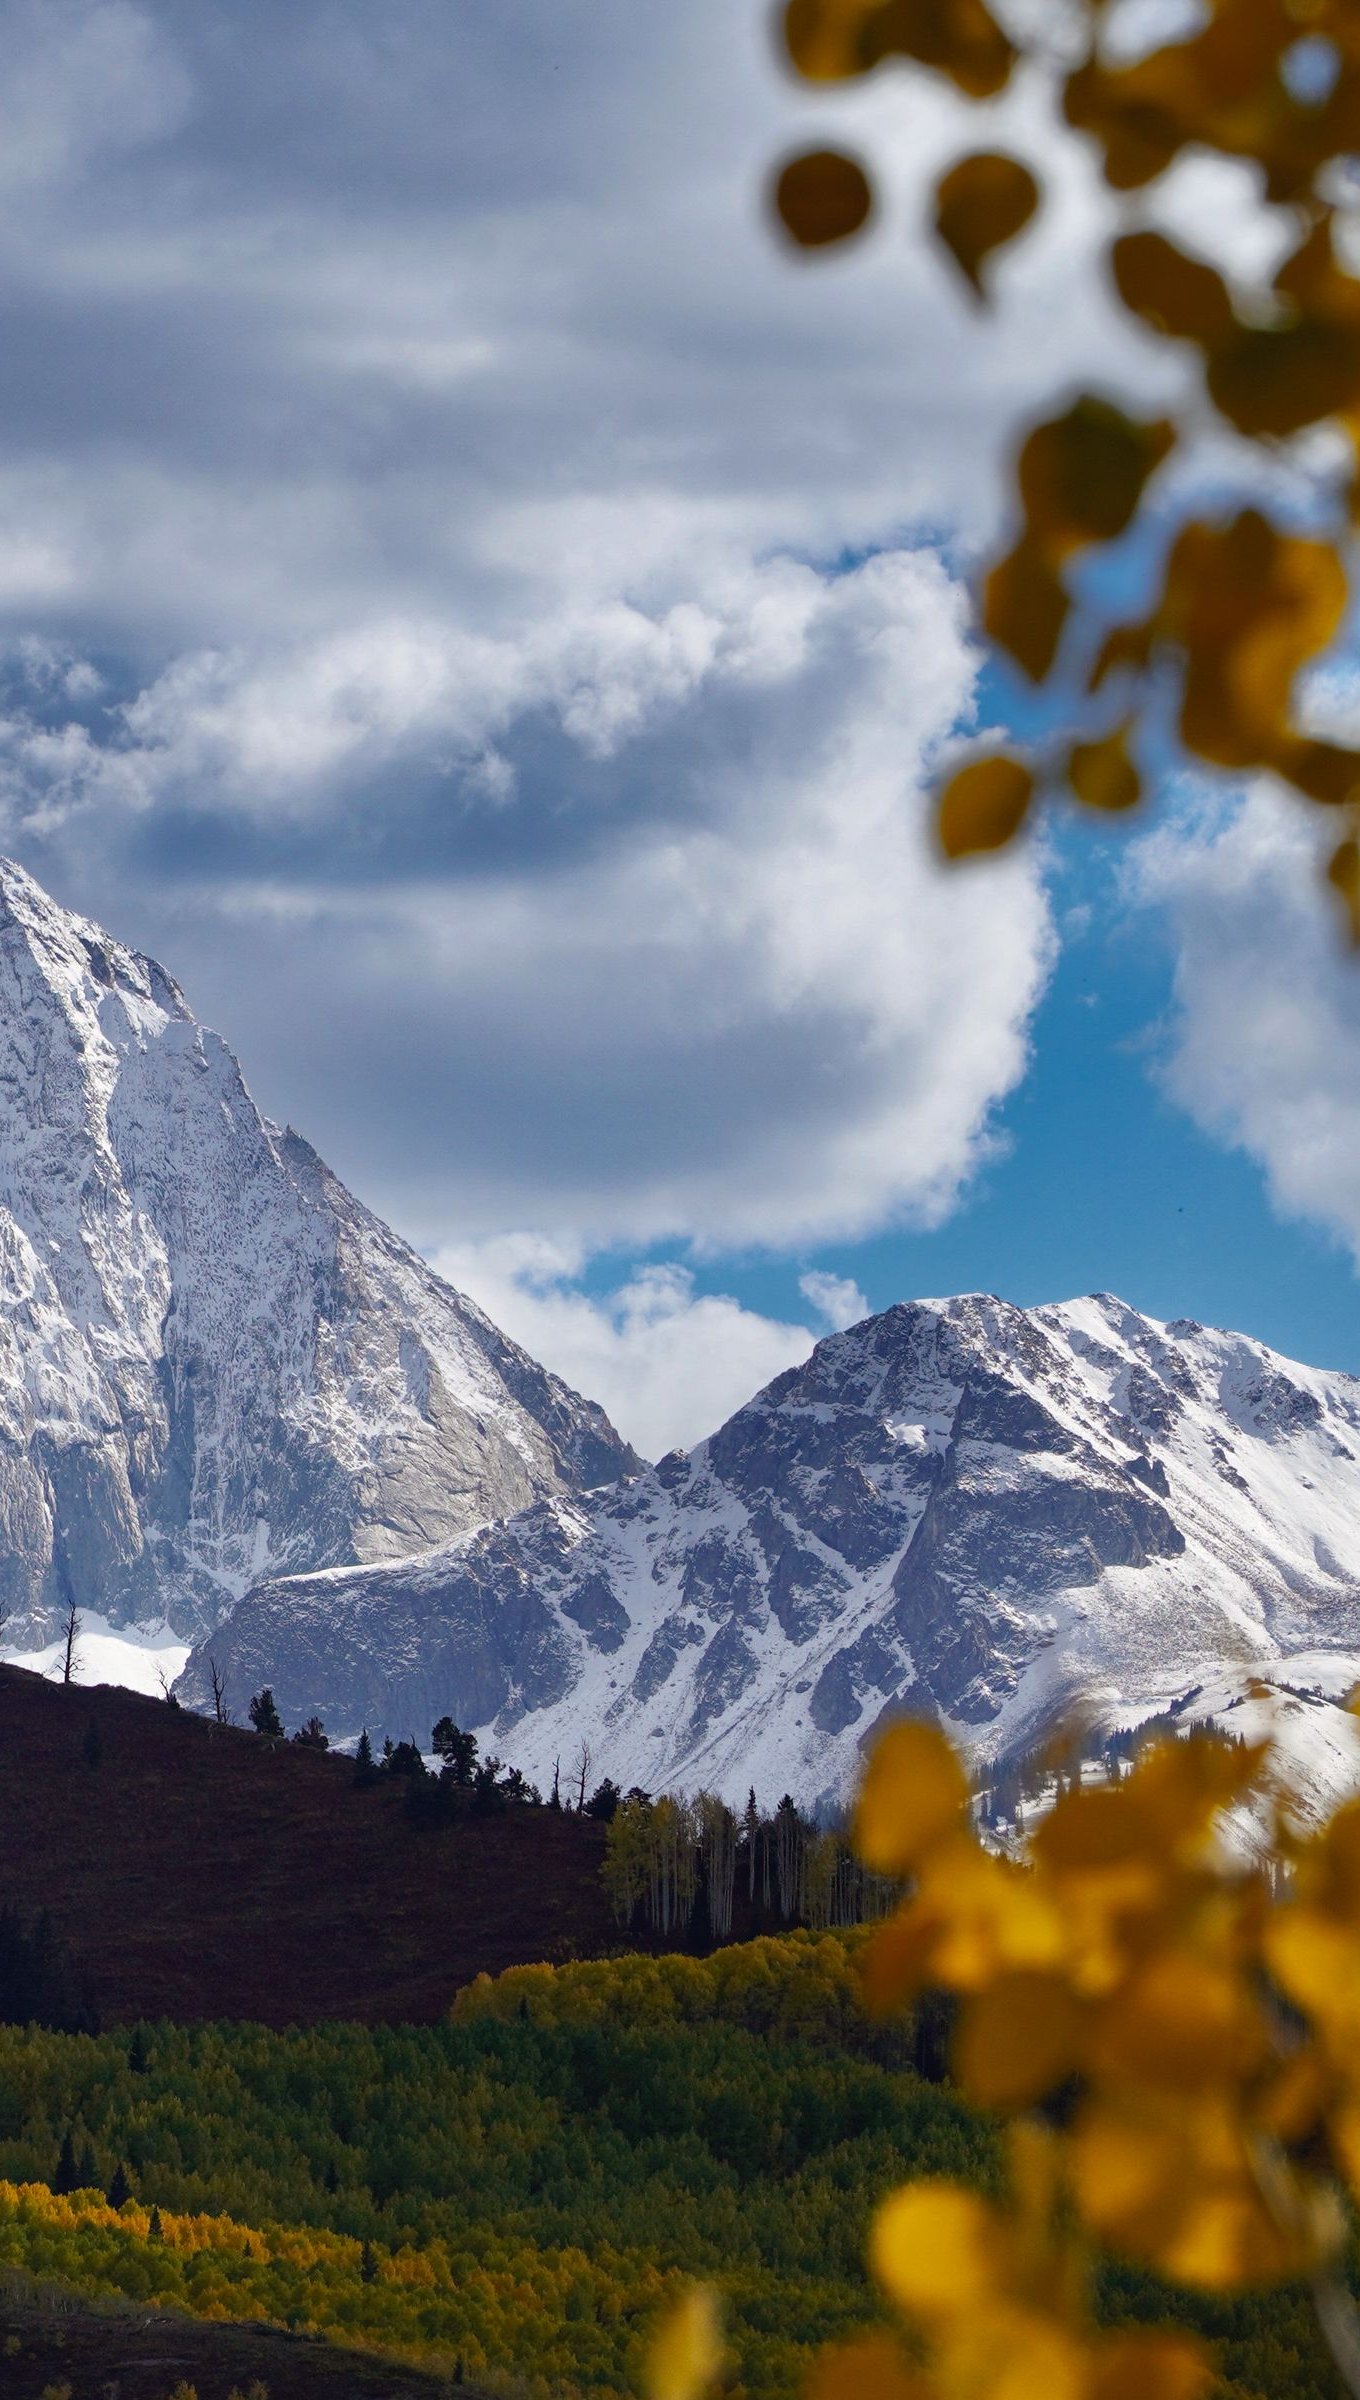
(1245, 603)
(1174, 2033)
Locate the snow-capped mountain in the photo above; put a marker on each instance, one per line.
(993, 1514)
(214, 1363)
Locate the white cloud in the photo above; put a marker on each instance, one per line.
(1265, 1037)
(521, 678)
(668, 1364)
(663, 951)
(837, 1299)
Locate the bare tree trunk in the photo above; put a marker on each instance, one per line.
(583, 1769)
(219, 1692)
(71, 1656)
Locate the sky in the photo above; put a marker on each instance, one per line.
(488, 619)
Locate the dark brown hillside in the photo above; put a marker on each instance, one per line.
(195, 1871)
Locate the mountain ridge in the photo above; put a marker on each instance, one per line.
(994, 1515)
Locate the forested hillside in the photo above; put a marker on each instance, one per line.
(515, 2192)
(194, 1870)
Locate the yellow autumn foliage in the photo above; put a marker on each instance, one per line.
(1174, 2032)
(1244, 604)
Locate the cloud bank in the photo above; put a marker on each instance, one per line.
(1265, 1036)
(477, 611)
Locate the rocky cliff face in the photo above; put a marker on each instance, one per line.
(215, 1365)
(983, 1512)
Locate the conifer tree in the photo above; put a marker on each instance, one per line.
(458, 1751)
(66, 2174)
(264, 1716)
(365, 1770)
(119, 2189)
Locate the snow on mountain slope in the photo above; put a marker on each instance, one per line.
(992, 1514)
(214, 1363)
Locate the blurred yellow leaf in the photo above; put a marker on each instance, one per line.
(825, 39)
(872, 2368)
(1025, 607)
(1316, 1960)
(982, 202)
(1150, 2366)
(1174, 2186)
(1102, 774)
(983, 806)
(1276, 379)
(937, 2250)
(1082, 475)
(1017, 2040)
(1179, 1787)
(1140, 137)
(1323, 770)
(1175, 294)
(1250, 607)
(899, 1961)
(1181, 2023)
(959, 37)
(822, 197)
(989, 1914)
(1343, 873)
(914, 1793)
(1124, 646)
(686, 2352)
(1311, 278)
(1017, 2354)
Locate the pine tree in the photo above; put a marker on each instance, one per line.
(139, 2054)
(119, 2189)
(365, 1770)
(368, 2265)
(66, 2176)
(265, 1717)
(457, 1750)
(153, 2230)
(406, 1759)
(750, 1826)
(312, 1735)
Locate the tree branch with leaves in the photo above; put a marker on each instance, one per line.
(1246, 601)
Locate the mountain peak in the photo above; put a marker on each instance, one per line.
(215, 1362)
(983, 1513)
